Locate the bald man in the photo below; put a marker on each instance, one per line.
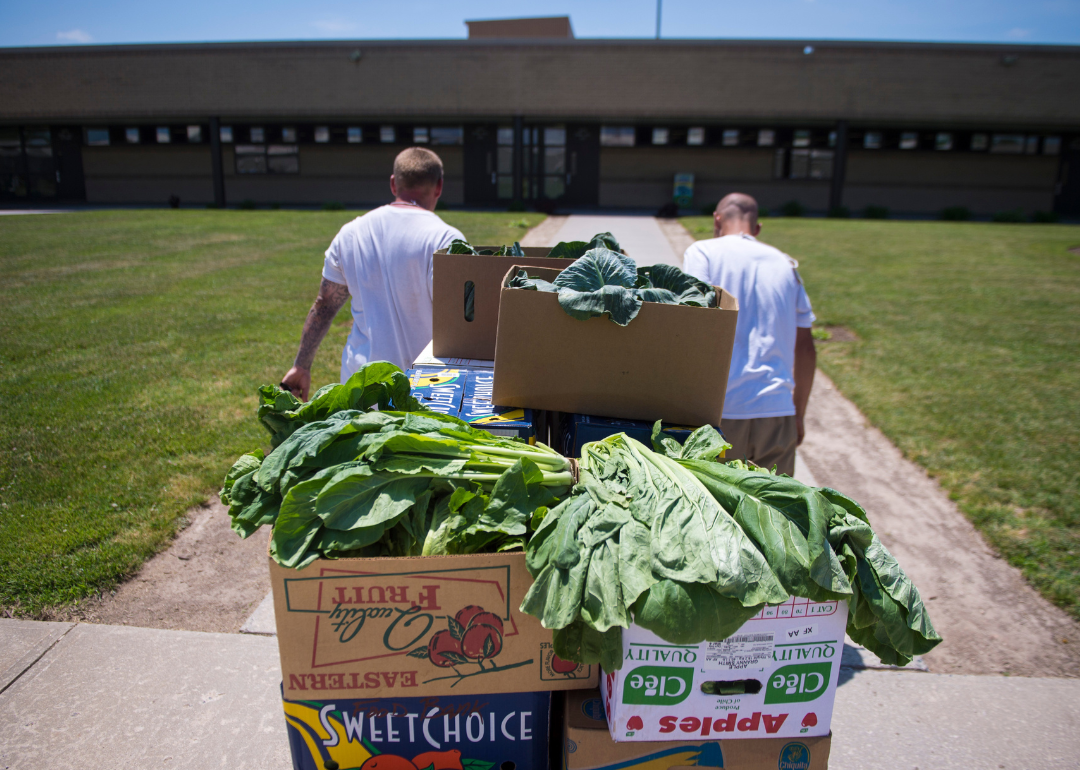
(773, 359)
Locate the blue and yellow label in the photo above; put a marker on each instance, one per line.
(440, 390)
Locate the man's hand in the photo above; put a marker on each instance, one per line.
(331, 297)
(800, 423)
(805, 366)
(298, 382)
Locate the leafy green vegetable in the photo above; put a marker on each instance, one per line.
(458, 246)
(691, 549)
(605, 282)
(577, 249)
(343, 481)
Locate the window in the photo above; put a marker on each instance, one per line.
(505, 136)
(802, 139)
(225, 134)
(387, 134)
(909, 140)
(420, 135)
(37, 146)
(257, 135)
(283, 159)
(261, 159)
(778, 163)
(131, 135)
(1052, 145)
(447, 135)
(504, 163)
(1031, 146)
(322, 134)
(872, 140)
(766, 137)
(695, 137)
(97, 137)
(164, 136)
(811, 164)
(1008, 144)
(354, 135)
(617, 136)
(288, 134)
(12, 179)
(832, 138)
(979, 142)
(659, 136)
(731, 137)
(194, 134)
(943, 141)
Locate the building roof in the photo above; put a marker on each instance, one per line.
(918, 84)
(545, 27)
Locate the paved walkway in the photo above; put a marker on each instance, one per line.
(641, 237)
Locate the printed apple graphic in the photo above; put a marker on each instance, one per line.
(481, 641)
(476, 618)
(810, 720)
(560, 666)
(466, 614)
(388, 762)
(634, 723)
(438, 760)
(444, 650)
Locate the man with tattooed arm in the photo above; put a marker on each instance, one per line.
(383, 261)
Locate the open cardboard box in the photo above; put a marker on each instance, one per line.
(452, 334)
(409, 627)
(586, 745)
(670, 363)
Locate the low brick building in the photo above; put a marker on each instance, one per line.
(548, 121)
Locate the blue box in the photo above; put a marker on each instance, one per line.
(478, 732)
(478, 410)
(579, 429)
(440, 390)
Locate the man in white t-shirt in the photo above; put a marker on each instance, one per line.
(773, 359)
(383, 260)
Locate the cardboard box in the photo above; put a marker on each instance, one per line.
(670, 363)
(427, 359)
(366, 628)
(474, 731)
(440, 390)
(775, 677)
(579, 429)
(588, 746)
(478, 410)
(453, 334)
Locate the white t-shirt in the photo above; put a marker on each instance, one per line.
(772, 303)
(384, 257)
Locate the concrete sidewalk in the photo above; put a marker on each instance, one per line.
(641, 237)
(87, 696)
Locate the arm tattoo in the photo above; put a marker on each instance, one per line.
(331, 297)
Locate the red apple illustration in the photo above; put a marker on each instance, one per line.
(388, 762)
(466, 614)
(438, 760)
(481, 641)
(487, 618)
(444, 650)
(810, 720)
(634, 723)
(560, 666)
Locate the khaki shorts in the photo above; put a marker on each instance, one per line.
(765, 441)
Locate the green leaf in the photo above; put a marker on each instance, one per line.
(690, 613)
(458, 246)
(569, 250)
(620, 303)
(597, 268)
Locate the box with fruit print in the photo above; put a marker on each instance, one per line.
(471, 732)
(414, 627)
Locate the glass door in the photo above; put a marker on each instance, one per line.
(545, 163)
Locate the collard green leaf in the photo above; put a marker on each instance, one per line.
(597, 268)
(458, 246)
(686, 289)
(605, 240)
(690, 613)
(618, 302)
(569, 250)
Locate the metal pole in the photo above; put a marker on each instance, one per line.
(216, 168)
(836, 186)
(659, 5)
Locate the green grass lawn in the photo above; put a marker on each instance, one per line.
(968, 358)
(131, 344)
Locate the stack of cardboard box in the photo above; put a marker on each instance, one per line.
(427, 663)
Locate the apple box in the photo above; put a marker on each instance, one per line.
(773, 678)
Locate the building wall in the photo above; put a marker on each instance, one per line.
(357, 174)
(924, 182)
(985, 85)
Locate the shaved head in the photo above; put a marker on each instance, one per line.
(736, 208)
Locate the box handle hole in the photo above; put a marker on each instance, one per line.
(470, 300)
(734, 687)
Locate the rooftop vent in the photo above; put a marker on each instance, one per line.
(550, 26)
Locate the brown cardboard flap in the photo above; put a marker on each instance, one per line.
(452, 335)
(670, 363)
(369, 627)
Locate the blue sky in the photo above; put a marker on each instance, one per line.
(64, 22)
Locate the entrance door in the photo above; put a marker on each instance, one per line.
(583, 165)
(67, 149)
(1067, 199)
(40, 163)
(481, 177)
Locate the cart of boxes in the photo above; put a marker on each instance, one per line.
(426, 663)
